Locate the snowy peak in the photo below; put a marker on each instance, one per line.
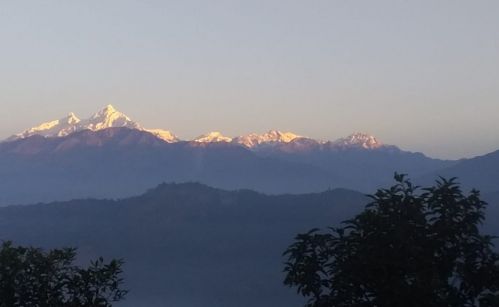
(71, 119)
(164, 135)
(213, 137)
(60, 127)
(358, 140)
(109, 109)
(278, 136)
(272, 136)
(108, 117)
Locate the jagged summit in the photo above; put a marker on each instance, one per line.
(358, 140)
(108, 117)
(213, 137)
(55, 128)
(72, 118)
(164, 135)
(108, 109)
(272, 136)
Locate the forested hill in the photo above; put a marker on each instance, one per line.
(187, 244)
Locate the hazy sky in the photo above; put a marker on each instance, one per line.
(423, 75)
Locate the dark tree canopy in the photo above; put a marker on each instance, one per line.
(409, 247)
(30, 277)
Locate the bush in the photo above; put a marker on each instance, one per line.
(30, 277)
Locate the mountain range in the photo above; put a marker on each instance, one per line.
(109, 117)
(187, 244)
(109, 155)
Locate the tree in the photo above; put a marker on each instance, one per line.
(409, 247)
(30, 277)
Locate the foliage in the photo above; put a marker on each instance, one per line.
(31, 277)
(409, 247)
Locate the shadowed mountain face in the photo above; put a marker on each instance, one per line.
(187, 245)
(361, 169)
(120, 162)
(481, 173)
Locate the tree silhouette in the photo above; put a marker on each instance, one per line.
(30, 277)
(409, 247)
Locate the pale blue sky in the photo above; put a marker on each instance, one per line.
(420, 74)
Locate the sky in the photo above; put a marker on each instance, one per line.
(423, 75)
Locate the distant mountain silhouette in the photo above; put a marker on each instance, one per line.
(480, 172)
(187, 245)
(120, 162)
(362, 168)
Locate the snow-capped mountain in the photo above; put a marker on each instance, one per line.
(212, 137)
(357, 140)
(71, 152)
(135, 159)
(288, 141)
(55, 128)
(109, 117)
(164, 135)
(273, 136)
(106, 118)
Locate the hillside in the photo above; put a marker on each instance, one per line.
(187, 245)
